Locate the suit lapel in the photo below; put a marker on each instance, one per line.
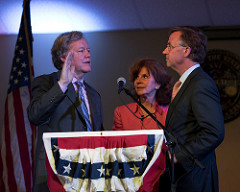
(92, 103)
(180, 94)
(72, 95)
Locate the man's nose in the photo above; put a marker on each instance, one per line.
(164, 51)
(87, 53)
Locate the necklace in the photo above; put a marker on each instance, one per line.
(147, 115)
(151, 109)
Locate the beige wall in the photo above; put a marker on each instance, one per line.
(228, 158)
(112, 54)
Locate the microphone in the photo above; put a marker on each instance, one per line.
(121, 81)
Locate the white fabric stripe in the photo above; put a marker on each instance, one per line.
(25, 97)
(17, 164)
(98, 155)
(106, 185)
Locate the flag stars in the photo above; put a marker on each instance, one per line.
(18, 60)
(67, 169)
(135, 169)
(119, 172)
(20, 38)
(14, 68)
(55, 147)
(108, 172)
(101, 171)
(84, 173)
(16, 81)
(16, 47)
(24, 65)
(149, 149)
(25, 78)
(21, 52)
(19, 73)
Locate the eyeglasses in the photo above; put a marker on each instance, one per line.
(171, 47)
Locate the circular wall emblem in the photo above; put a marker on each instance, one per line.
(224, 67)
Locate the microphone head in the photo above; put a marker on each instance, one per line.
(121, 82)
(121, 79)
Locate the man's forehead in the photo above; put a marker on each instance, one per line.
(82, 43)
(175, 36)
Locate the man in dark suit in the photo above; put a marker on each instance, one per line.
(194, 116)
(55, 104)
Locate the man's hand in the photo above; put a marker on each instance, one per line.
(67, 72)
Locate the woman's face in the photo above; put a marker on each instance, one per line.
(145, 84)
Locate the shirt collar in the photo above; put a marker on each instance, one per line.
(187, 73)
(74, 83)
(74, 80)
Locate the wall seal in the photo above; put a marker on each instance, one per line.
(224, 67)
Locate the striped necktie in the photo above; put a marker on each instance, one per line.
(175, 89)
(83, 105)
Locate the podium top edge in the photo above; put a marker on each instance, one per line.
(102, 133)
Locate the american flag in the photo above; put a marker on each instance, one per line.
(104, 161)
(18, 135)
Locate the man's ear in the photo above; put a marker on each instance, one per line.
(187, 51)
(157, 86)
(63, 59)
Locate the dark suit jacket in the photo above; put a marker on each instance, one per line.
(54, 111)
(195, 119)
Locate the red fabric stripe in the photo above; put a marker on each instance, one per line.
(52, 179)
(2, 186)
(33, 127)
(9, 159)
(22, 139)
(106, 142)
(151, 179)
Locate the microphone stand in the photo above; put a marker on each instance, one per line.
(171, 143)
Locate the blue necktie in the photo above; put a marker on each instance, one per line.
(83, 105)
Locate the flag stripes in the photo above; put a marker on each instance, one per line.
(116, 161)
(18, 135)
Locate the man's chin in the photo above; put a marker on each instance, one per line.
(82, 71)
(168, 64)
(88, 70)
